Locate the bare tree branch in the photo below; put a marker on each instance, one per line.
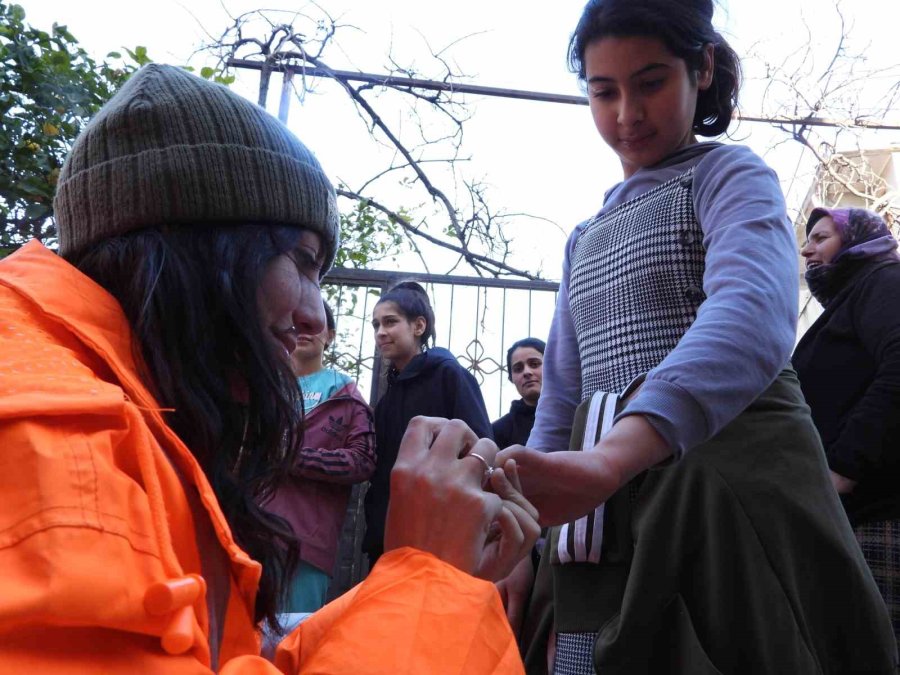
(425, 155)
(849, 87)
(481, 262)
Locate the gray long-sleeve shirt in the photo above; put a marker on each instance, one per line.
(745, 328)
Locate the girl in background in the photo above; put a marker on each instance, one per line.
(338, 450)
(722, 546)
(422, 380)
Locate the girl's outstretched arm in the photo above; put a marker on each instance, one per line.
(566, 485)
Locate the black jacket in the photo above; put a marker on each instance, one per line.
(515, 426)
(848, 363)
(432, 384)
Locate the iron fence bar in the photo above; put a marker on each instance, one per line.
(450, 330)
(502, 347)
(337, 316)
(529, 312)
(546, 97)
(477, 342)
(358, 277)
(362, 333)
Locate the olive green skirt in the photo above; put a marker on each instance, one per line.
(736, 559)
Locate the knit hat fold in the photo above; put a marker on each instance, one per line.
(172, 148)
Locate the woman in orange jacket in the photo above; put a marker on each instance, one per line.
(147, 402)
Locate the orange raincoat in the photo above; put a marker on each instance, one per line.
(99, 563)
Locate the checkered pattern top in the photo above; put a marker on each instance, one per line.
(636, 284)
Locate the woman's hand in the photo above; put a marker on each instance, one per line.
(566, 485)
(438, 503)
(515, 529)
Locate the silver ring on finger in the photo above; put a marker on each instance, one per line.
(488, 469)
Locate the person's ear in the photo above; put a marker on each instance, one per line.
(419, 326)
(708, 69)
(329, 339)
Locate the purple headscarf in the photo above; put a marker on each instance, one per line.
(865, 238)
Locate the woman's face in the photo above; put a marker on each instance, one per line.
(642, 98)
(289, 299)
(527, 373)
(823, 243)
(398, 338)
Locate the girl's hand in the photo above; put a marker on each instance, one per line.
(566, 485)
(515, 590)
(438, 505)
(514, 531)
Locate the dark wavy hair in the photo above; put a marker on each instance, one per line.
(685, 28)
(412, 301)
(190, 296)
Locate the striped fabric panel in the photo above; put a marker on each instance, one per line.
(580, 541)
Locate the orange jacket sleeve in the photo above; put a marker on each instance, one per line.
(413, 614)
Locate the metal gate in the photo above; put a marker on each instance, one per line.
(475, 318)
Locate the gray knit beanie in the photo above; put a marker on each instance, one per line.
(172, 148)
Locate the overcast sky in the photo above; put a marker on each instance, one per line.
(537, 158)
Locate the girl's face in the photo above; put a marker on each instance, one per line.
(823, 243)
(527, 373)
(398, 338)
(289, 299)
(642, 97)
(311, 347)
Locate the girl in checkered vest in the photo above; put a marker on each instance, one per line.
(696, 527)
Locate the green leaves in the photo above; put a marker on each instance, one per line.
(139, 55)
(49, 89)
(367, 236)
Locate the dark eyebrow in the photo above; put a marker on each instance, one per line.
(649, 68)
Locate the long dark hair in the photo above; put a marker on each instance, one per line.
(412, 301)
(685, 28)
(189, 294)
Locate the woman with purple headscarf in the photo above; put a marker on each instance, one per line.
(849, 368)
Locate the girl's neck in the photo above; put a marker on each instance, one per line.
(400, 363)
(307, 367)
(628, 170)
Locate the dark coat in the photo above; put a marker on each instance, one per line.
(515, 426)
(432, 384)
(849, 368)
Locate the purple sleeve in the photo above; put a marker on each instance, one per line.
(353, 460)
(561, 390)
(745, 328)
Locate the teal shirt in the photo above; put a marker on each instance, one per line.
(320, 386)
